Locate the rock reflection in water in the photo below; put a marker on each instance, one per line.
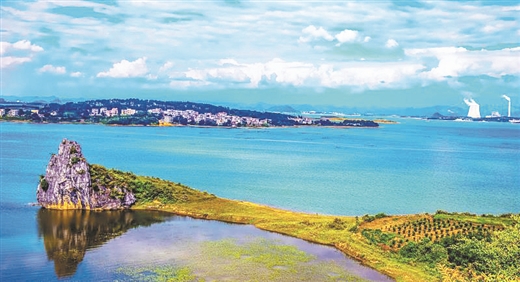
(68, 234)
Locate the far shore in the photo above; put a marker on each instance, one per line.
(201, 126)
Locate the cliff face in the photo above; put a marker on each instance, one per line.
(67, 184)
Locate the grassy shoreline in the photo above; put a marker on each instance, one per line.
(321, 229)
(418, 247)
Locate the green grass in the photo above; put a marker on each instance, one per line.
(491, 220)
(146, 189)
(256, 259)
(164, 273)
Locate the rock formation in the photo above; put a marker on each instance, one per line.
(67, 184)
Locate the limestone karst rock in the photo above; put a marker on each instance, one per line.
(67, 184)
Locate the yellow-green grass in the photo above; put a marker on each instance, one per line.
(342, 232)
(322, 229)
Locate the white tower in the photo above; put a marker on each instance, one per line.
(508, 106)
(474, 108)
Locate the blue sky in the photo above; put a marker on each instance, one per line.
(345, 53)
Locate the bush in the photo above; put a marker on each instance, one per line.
(337, 224)
(425, 251)
(43, 183)
(370, 218)
(74, 160)
(377, 236)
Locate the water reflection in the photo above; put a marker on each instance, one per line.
(67, 235)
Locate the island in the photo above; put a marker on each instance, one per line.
(423, 247)
(161, 113)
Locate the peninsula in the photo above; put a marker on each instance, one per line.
(423, 247)
(161, 113)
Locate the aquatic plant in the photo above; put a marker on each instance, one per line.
(255, 259)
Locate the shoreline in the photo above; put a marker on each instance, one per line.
(312, 228)
(193, 125)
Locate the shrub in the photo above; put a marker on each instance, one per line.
(74, 160)
(370, 218)
(377, 236)
(337, 224)
(43, 183)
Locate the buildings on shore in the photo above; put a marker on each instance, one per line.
(171, 116)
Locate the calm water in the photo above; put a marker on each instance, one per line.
(412, 167)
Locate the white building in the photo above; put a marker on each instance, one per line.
(112, 112)
(155, 111)
(128, 112)
(12, 113)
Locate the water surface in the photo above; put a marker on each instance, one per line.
(412, 167)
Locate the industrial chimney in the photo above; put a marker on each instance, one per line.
(508, 106)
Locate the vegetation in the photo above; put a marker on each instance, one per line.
(146, 189)
(74, 160)
(461, 246)
(165, 273)
(420, 247)
(81, 112)
(43, 183)
(256, 259)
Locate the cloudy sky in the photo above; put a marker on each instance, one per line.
(351, 53)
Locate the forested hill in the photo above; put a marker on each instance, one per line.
(150, 112)
(83, 110)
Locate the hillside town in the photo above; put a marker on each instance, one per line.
(160, 113)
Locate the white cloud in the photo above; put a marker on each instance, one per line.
(13, 61)
(228, 61)
(52, 69)
(76, 74)
(168, 65)
(26, 45)
(458, 61)
(367, 39)
(391, 43)
(19, 45)
(187, 83)
(6, 47)
(347, 36)
(313, 33)
(361, 74)
(126, 68)
(498, 26)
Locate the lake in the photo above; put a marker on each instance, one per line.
(415, 166)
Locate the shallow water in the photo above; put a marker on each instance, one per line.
(95, 246)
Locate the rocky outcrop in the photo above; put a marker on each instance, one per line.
(67, 184)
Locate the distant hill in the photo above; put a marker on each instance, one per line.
(282, 109)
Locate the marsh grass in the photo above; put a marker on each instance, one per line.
(254, 259)
(164, 273)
